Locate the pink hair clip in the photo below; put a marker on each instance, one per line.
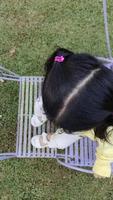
(59, 58)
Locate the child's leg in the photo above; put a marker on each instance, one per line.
(56, 140)
(59, 139)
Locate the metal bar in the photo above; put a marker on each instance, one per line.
(66, 155)
(10, 79)
(36, 155)
(106, 28)
(26, 117)
(76, 152)
(30, 114)
(39, 96)
(52, 150)
(40, 128)
(6, 157)
(74, 167)
(35, 97)
(106, 60)
(10, 75)
(86, 150)
(94, 151)
(35, 78)
(82, 152)
(8, 71)
(21, 116)
(39, 93)
(90, 151)
(18, 121)
(48, 131)
(71, 152)
(8, 154)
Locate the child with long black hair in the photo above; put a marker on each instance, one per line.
(77, 96)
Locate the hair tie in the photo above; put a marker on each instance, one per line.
(59, 58)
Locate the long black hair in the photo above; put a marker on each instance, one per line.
(78, 92)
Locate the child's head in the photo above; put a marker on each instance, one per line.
(78, 92)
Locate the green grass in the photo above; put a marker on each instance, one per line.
(32, 30)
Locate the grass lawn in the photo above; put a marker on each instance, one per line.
(29, 31)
